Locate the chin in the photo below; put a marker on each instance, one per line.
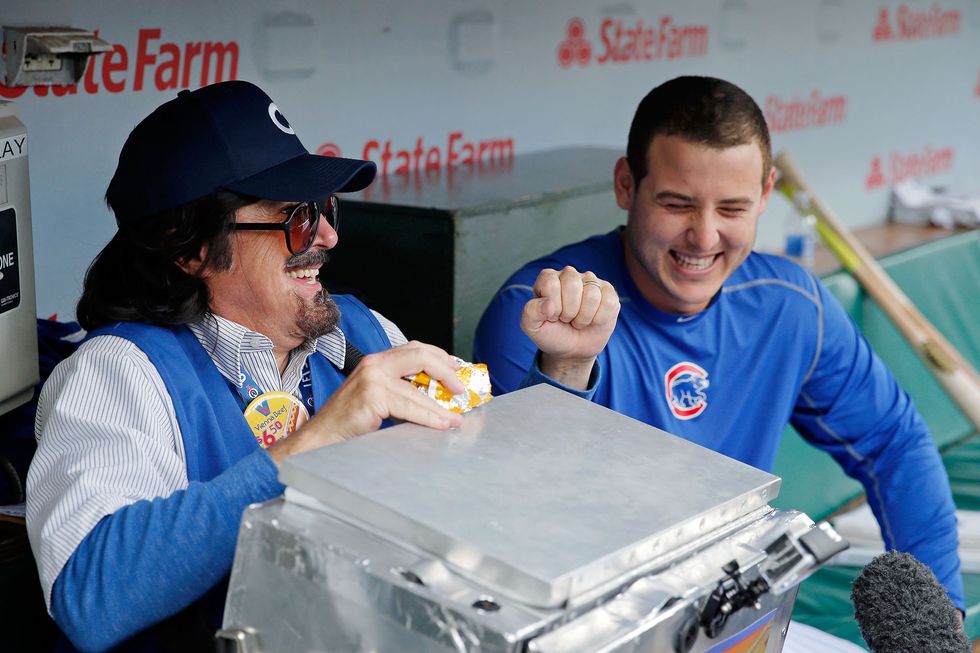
(319, 317)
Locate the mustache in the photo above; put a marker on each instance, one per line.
(308, 259)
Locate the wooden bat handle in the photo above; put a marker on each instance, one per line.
(953, 372)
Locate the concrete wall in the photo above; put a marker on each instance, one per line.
(862, 93)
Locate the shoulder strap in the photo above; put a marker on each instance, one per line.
(352, 358)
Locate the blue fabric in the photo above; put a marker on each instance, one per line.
(151, 559)
(776, 348)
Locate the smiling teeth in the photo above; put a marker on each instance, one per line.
(308, 273)
(692, 262)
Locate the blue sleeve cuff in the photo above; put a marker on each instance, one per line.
(262, 472)
(114, 585)
(536, 376)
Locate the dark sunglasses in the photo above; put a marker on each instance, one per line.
(301, 226)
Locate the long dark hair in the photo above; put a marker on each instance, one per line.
(136, 277)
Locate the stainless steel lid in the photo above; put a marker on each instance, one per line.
(539, 496)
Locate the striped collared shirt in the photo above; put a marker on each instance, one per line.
(108, 435)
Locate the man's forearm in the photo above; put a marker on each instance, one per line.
(148, 560)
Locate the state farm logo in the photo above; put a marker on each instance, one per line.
(451, 179)
(165, 66)
(814, 111)
(897, 166)
(622, 43)
(422, 156)
(328, 149)
(457, 151)
(910, 24)
(576, 48)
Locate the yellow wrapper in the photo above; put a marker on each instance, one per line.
(475, 379)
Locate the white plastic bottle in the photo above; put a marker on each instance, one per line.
(800, 231)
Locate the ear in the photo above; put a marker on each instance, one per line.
(623, 183)
(767, 189)
(191, 265)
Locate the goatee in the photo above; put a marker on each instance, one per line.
(321, 316)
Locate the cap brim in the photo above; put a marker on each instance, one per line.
(308, 176)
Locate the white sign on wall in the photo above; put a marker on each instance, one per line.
(863, 94)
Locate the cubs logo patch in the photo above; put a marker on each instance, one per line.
(685, 385)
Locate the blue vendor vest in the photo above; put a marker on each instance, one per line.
(216, 436)
(205, 404)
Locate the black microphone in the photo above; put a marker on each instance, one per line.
(901, 608)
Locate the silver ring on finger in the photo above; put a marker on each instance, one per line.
(592, 282)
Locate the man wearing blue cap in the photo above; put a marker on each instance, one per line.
(211, 340)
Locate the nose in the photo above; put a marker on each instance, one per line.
(702, 233)
(326, 236)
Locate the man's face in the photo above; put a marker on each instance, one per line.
(269, 290)
(692, 219)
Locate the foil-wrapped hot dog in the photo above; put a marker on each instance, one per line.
(475, 379)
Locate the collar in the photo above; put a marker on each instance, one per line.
(225, 341)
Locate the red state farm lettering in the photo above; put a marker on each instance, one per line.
(169, 65)
(911, 24)
(814, 111)
(646, 43)
(457, 152)
(175, 63)
(385, 187)
(929, 161)
(933, 23)
(114, 64)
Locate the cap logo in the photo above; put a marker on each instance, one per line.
(279, 120)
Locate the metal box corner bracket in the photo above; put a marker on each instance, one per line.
(540, 496)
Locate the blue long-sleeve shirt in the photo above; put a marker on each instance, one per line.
(773, 347)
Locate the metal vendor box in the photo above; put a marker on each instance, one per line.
(545, 524)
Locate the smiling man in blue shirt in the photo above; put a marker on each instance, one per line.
(714, 342)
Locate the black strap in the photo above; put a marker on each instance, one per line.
(352, 358)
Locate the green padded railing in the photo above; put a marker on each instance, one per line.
(942, 279)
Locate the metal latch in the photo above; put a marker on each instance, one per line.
(731, 595)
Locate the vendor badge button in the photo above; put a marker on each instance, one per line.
(273, 416)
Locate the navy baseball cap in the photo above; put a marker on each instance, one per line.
(227, 136)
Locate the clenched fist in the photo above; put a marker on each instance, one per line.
(570, 320)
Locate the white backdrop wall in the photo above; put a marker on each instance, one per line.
(863, 93)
